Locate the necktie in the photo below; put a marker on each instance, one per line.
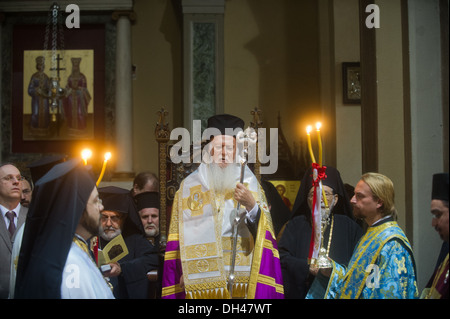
(12, 226)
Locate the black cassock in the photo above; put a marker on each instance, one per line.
(294, 249)
(142, 257)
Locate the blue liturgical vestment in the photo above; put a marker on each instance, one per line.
(382, 267)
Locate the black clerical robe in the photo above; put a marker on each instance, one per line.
(142, 257)
(294, 248)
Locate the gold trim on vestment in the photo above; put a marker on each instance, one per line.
(171, 290)
(265, 225)
(270, 281)
(196, 200)
(432, 292)
(172, 255)
(204, 276)
(372, 232)
(84, 247)
(200, 250)
(205, 259)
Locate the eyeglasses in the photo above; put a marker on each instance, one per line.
(10, 177)
(311, 195)
(114, 219)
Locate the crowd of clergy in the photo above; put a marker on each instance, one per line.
(229, 236)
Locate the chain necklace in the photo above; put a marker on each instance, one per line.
(330, 236)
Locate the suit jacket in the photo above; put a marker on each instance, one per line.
(6, 244)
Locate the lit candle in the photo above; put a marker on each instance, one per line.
(85, 155)
(308, 131)
(319, 139)
(325, 200)
(107, 157)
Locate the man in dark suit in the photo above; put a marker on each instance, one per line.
(13, 216)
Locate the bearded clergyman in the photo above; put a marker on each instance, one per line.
(340, 233)
(200, 246)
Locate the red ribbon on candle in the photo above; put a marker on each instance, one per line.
(320, 173)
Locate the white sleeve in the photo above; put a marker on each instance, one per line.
(251, 215)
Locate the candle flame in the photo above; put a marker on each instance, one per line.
(107, 156)
(318, 126)
(85, 155)
(308, 129)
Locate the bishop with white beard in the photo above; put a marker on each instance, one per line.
(200, 244)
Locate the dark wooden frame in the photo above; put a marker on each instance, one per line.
(348, 67)
(31, 37)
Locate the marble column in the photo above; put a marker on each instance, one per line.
(203, 55)
(123, 96)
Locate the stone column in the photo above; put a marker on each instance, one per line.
(123, 96)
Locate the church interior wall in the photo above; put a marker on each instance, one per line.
(156, 49)
(348, 116)
(390, 101)
(272, 62)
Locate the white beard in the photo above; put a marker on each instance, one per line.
(324, 212)
(110, 235)
(151, 232)
(223, 179)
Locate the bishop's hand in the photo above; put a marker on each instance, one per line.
(244, 196)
